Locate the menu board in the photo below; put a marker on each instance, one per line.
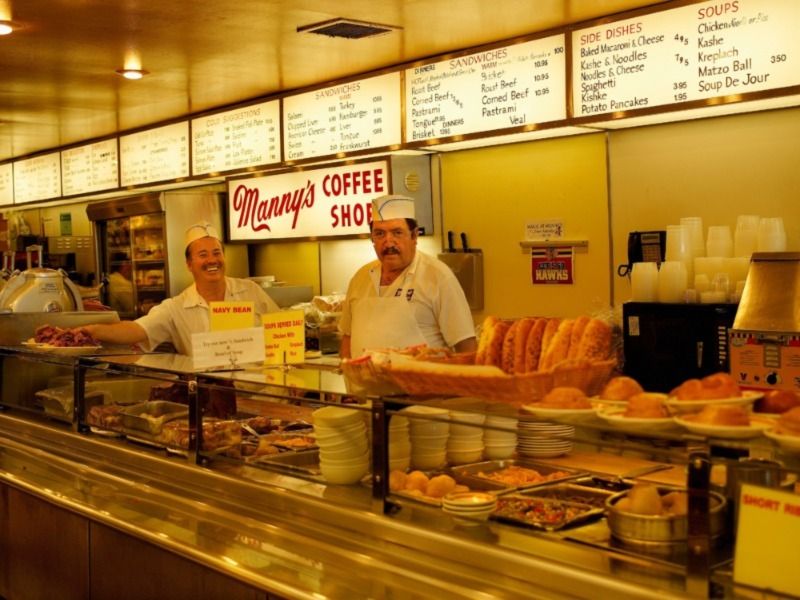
(501, 88)
(6, 184)
(236, 139)
(359, 115)
(90, 168)
(690, 53)
(37, 178)
(156, 154)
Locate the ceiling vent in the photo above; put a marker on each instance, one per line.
(347, 28)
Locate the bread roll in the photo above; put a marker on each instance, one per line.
(565, 397)
(549, 333)
(713, 387)
(558, 348)
(646, 406)
(596, 341)
(521, 343)
(509, 345)
(494, 350)
(577, 334)
(777, 402)
(621, 388)
(533, 345)
(730, 416)
(487, 328)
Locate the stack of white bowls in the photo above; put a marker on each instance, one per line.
(399, 444)
(343, 444)
(536, 439)
(469, 507)
(428, 437)
(465, 444)
(499, 437)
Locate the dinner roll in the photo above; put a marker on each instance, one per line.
(621, 388)
(565, 397)
(646, 406)
(777, 402)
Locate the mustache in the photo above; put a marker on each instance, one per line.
(388, 251)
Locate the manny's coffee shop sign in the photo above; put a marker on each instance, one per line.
(324, 202)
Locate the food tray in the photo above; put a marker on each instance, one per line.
(475, 484)
(469, 474)
(306, 463)
(59, 402)
(543, 513)
(572, 492)
(150, 417)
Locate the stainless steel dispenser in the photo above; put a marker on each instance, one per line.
(467, 265)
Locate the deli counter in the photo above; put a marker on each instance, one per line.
(217, 477)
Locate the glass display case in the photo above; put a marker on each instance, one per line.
(495, 491)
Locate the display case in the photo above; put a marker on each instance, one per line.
(291, 454)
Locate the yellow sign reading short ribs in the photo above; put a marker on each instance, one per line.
(766, 540)
(231, 315)
(284, 337)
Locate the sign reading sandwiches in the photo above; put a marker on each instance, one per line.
(325, 202)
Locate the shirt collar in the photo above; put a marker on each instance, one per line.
(192, 297)
(409, 271)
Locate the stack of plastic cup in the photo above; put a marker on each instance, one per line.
(720, 241)
(694, 225)
(745, 238)
(771, 235)
(679, 248)
(644, 282)
(672, 281)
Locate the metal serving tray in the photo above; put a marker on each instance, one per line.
(543, 513)
(469, 474)
(306, 462)
(149, 417)
(571, 492)
(475, 484)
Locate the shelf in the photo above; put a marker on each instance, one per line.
(151, 289)
(141, 261)
(558, 243)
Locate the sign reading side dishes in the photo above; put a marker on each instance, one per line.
(688, 53)
(501, 88)
(311, 203)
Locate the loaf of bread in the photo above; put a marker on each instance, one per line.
(487, 330)
(595, 343)
(578, 330)
(509, 347)
(533, 345)
(521, 335)
(558, 348)
(494, 349)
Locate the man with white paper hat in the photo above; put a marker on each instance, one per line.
(406, 297)
(177, 318)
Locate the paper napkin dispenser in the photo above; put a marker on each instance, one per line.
(467, 265)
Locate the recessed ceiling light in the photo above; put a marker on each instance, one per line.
(6, 27)
(133, 73)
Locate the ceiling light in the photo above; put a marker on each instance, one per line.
(133, 73)
(6, 27)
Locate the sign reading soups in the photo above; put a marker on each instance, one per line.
(311, 203)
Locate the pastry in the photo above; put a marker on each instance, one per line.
(712, 387)
(565, 397)
(729, 416)
(777, 402)
(621, 388)
(646, 406)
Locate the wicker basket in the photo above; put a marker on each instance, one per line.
(590, 378)
(365, 377)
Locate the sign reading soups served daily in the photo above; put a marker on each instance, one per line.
(694, 52)
(89, 168)
(156, 154)
(236, 139)
(6, 184)
(37, 178)
(359, 115)
(494, 89)
(311, 203)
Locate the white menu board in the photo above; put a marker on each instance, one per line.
(156, 154)
(689, 53)
(6, 184)
(236, 139)
(90, 168)
(501, 88)
(37, 178)
(353, 116)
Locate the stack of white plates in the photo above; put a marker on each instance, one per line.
(399, 444)
(428, 437)
(343, 444)
(537, 439)
(469, 507)
(465, 444)
(499, 437)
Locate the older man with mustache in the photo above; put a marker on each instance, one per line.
(405, 297)
(177, 318)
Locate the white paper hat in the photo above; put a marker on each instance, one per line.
(200, 230)
(393, 206)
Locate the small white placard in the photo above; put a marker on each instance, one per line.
(227, 349)
(551, 229)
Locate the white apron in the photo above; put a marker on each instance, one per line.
(384, 322)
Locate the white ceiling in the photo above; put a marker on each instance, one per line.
(58, 83)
